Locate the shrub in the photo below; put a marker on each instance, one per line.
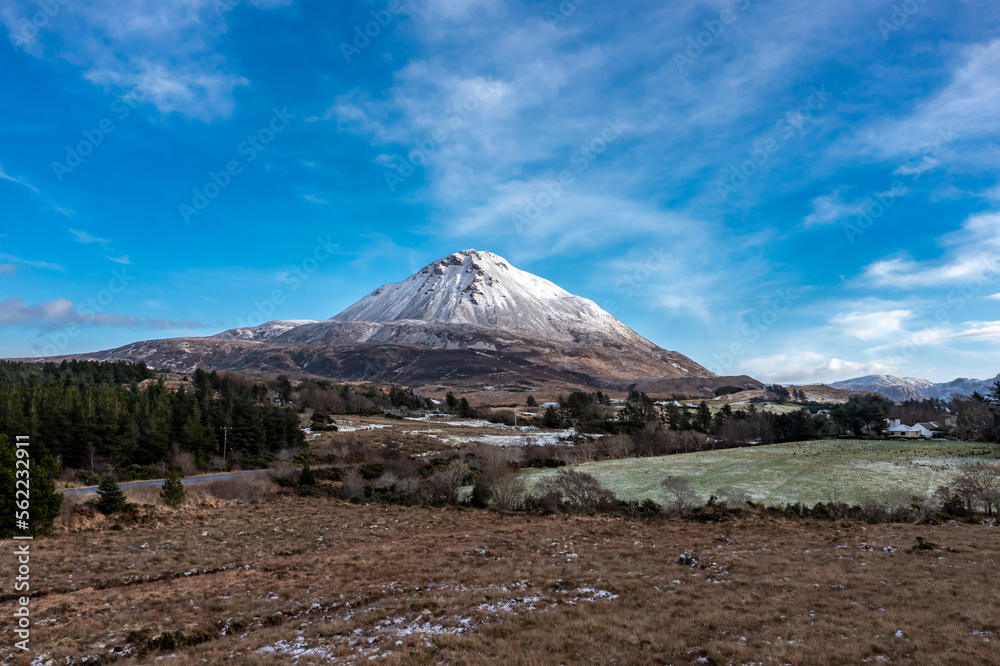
(680, 496)
(735, 498)
(443, 485)
(352, 485)
(173, 490)
(307, 477)
(507, 493)
(581, 491)
(246, 487)
(111, 498)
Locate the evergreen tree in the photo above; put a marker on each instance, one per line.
(465, 409)
(451, 401)
(43, 505)
(307, 477)
(704, 416)
(531, 401)
(111, 498)
(173, 490)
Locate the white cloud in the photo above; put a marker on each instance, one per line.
(62, 312)
(32, 263)
(86, 238)
(124, 260)
(872, 325)
(119, 45)
(828, 209)
(972, 257)
(312, 198)
(994, 297)
(965, 110)
(5, 176)
(810, 367)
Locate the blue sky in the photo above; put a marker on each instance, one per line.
(799, 191)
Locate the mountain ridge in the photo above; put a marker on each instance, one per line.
(910, 388)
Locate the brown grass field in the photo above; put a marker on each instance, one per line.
(309, 581)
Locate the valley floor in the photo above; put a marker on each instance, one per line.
(305, 581)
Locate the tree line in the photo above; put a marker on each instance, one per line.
(96, 416)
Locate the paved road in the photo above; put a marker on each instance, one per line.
(159, 482)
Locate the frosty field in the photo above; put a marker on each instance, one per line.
(795, 472)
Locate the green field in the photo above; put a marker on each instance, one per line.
(796, 472)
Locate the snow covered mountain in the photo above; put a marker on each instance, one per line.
(464, 295)
(908, 388)
(469, 318)
(483, 289)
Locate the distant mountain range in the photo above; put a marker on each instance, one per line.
(909, 388)
(470, 319)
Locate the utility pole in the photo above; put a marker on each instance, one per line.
(225, 440)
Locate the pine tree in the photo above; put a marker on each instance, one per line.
(112, 499)
(531, 401)
(45, 501)
(173, 490)
(307, 477)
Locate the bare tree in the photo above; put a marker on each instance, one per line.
(680, 497)
(736, 498)
(507, 493)
(619, 446)
(352, 484)
(586, 449)
(581, 491)
(979, 486)
(444, 484)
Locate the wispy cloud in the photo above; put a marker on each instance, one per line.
(20, 181)
(124, 260)
(973, 254)
(86, 238)
(31, 262)
(872, 325)
(116, 45)
(62, 312)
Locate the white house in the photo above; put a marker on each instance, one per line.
(546, 405)
(926, 430)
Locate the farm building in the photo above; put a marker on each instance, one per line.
(926, 430)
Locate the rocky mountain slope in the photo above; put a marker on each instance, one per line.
(908, 388)
(468, 319)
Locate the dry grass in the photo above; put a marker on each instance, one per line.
(313, 580)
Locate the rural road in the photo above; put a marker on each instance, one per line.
(159, 482)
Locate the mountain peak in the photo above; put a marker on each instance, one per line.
(484, 289)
